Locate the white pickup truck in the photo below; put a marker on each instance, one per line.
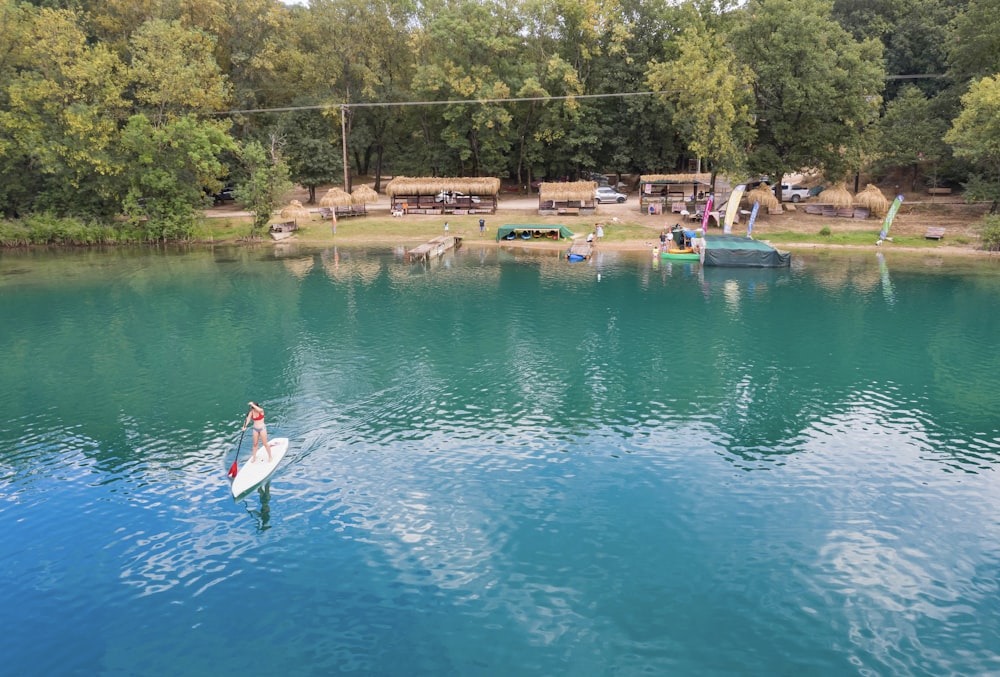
(793, 192)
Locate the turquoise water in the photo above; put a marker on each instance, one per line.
(500, 464)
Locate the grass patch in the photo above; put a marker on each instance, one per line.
(416, 227)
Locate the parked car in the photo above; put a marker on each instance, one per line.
(452, 196)
(608, 194)
(227, 194)
(794, 192)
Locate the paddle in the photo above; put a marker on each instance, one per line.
(234, 468)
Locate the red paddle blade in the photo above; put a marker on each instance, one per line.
(233, 469)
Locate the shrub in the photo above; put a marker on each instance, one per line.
(47, 228)
(825, 231)
(991, 233)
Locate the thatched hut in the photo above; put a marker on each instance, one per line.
(567, 197)
(660, 193)
(473, 195)
(836, 196)
(872, 199)
(763, 195)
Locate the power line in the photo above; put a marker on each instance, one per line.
(521, 99)
(389, 104)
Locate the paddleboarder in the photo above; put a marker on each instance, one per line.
(256, 414)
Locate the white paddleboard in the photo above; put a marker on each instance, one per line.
(250, 474)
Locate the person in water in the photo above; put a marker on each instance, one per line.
(256, 414)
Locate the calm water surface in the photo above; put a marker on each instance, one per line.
(501, 464)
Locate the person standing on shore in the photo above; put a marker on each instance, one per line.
(446, 226)
(482, 227)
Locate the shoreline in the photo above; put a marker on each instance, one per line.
(640, 234)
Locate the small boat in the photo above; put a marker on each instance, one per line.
(686, 254)
(280, 235)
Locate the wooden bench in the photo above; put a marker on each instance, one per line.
(939, 191)
(351, 210)
(934, 234)
(325, 213)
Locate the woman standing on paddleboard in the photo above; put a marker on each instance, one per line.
(256, 414)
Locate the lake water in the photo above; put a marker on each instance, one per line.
(501, 464)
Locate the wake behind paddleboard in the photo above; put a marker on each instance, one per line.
(250, 474)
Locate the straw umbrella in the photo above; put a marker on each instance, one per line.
(336, 197)
(763, 195)
(872, 199)
(838, 196)
(295, 211)
(363, 195)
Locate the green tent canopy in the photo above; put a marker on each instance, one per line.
(533, 230)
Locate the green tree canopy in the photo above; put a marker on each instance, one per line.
(816, 88)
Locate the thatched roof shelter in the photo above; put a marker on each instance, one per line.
(763, 195)
(404, 185)
(294, 211)
(872, 199)
(838, 196)
(566, 191)
(676, 178)
(335, 197)
(363, 195)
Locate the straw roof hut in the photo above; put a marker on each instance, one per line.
(763, 195)
(676, 178)
(838, 196)
(567, 191)
(294, 211)
(404, 185)
(872, 199)
(363, 195)
(336, 197)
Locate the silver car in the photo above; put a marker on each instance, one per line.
(608, 194)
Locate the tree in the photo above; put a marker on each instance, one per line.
(911, 134)
(711, 99)
(311, 146)
(174, 72)
(467, 51)
(816, 89)
(170, 166)
(975, 41)
(64, 102)
(266, 180)
(975, 135)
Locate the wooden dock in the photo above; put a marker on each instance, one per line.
(579, 251)
(434, 248)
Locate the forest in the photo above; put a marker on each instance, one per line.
(132, 113)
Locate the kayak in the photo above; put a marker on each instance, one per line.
(250, 474)
(680, 255)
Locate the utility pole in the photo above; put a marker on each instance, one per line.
(343, 136)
